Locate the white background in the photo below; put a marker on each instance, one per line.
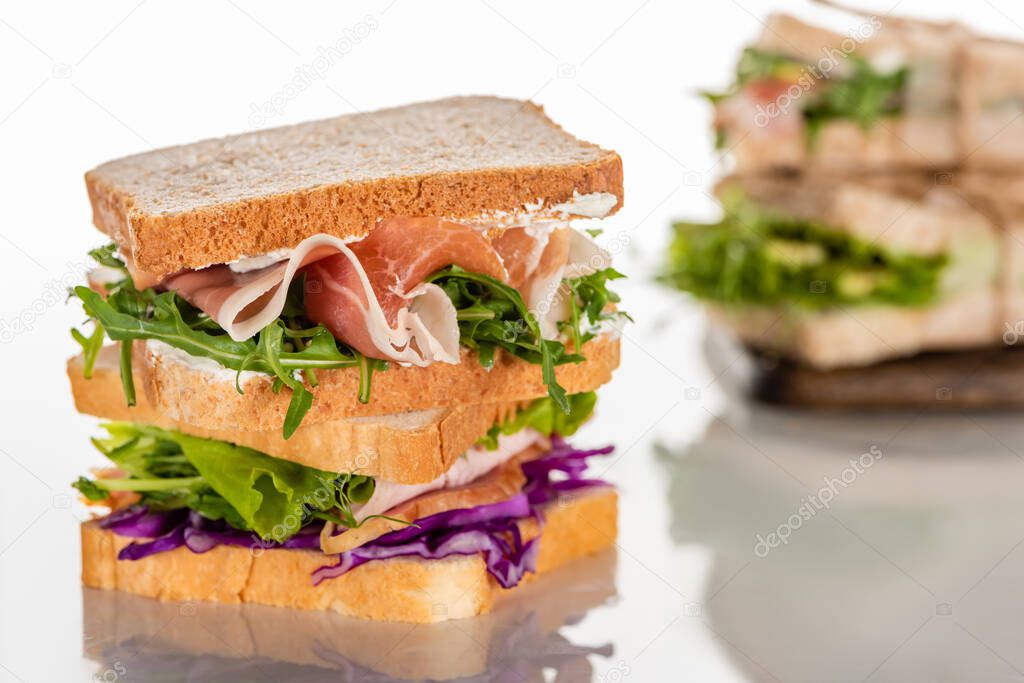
(857, 595)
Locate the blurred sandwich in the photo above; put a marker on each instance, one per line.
(346, 356)
(884, 95)
(833, 272)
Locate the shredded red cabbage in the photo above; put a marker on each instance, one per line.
(491, 530)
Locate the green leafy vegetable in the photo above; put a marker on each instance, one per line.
(544, 416)
(286, 347)
(492, 315)
(589, 298)
(755, 256)
(250, 490)
(864, 97)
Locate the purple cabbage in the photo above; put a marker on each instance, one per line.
(491, 530)
(175, 528)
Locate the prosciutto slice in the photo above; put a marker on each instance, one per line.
(370, 294)
(539, 258)
(380, 281)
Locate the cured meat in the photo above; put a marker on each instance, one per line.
(539, 259)
(394, 260)
(371, 293)
(764, 108)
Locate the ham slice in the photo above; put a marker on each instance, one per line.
(539, 258)
(371, 293)
(382, 276)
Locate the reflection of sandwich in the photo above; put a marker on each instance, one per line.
(521, 635)
(833, 272)
(349, 350)
(518, 638)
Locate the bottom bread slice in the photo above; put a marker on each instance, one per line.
(398, 589)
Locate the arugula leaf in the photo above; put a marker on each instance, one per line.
(756, 256)
(863, 97)
(589, 297)
(128, 314)
(543, 415)
(252, 491)
(492, 315)
(91, 346)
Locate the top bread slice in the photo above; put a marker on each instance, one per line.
(221, 199)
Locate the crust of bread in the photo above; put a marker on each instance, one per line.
(397, 589)
(203, 400)
(218, 200)
(852, 337)
(406, 448)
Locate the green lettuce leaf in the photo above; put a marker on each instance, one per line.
(544, 416)
(252, 491)
(757, 256)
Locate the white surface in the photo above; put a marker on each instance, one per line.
(857, 593)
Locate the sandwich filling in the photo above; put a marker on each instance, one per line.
(754, 256)
(169, 490)
(414, 291)
(780, 95)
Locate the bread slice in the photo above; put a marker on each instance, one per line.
(397, 589)
(522, 631)
(217, 200)
(903, 212)
(412, 447)
(906, 142)
(208, 398)
(861, 336)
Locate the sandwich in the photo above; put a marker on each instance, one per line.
(846, 272)
(338, 362)
(882, 96)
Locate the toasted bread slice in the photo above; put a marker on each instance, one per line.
(412, 447)
(204, 397)
(217, 200)
(398, 589)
